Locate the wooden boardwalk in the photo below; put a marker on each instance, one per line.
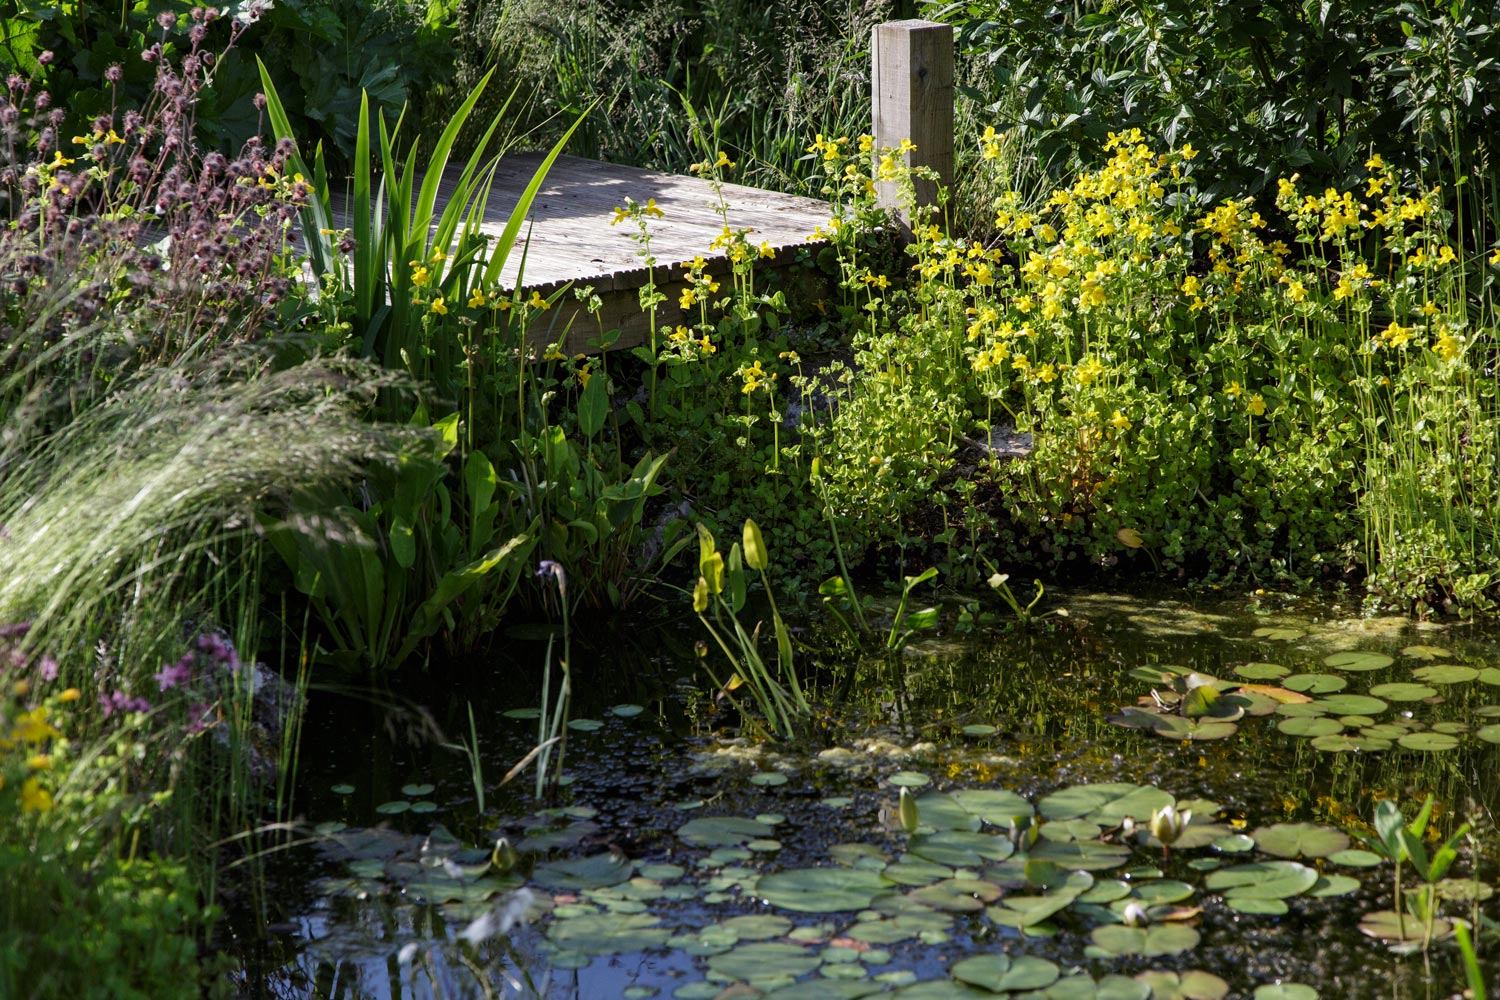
(569, 239)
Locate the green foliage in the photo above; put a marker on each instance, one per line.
(326, 54)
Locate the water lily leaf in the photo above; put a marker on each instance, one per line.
(626, 711)
(1260, 699)
(1388, 925)
(994, 806)
(1426, 652)
(1310, 726)
(723, 831)
(1355, 660)
(1286, 991)
(762, 960)
(1234, 843)
(1352, 704)
(593, 872)
(1176, 727)
(1401, 691)
(913, 870)
(1195, 984)
(1445, 673)
(1064, 830)
(999, 974)
(768, 779)
(1490, 734)
(1429, 742)
(1315, 683)
(1490, 676)
(957, 895)
(1261, 671)
(942, 811)
(820, 890)
(859, 856)
(1262, 880)
(1355, 858)
(342, 789)
(1308, 840)
(961, 848)
(942, 989)
(1105, 804)
(1279, 633)
(1464, 890)
(608, 933)
(1301, 710)
(393, 808)
(1451, 727)
(1086, 855)
(1157, 939)
(1104, 891)
(424, 806)
(1350, 744)
(1083, 987)
(585, 725)
(1333, 885)
(523, 713)
(1259, 907)
(980, 729)
(1160, 891)
(910, 779)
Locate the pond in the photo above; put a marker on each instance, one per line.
(982, 816)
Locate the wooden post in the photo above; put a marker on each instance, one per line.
(912, 98)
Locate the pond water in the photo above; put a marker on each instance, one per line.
(682, 860)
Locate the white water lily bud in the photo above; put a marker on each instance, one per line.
(1167, 824)
(1134, 915)
(907, 813)
(503, 857)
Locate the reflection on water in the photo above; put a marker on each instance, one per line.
(392, 893)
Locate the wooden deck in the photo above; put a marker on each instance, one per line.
(569, 238)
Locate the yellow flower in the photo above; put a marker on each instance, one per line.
(1188, 152)
(687, 299)
(1088, 371)
(71, 694)
(651, 208)
(476, 298)
(1296, 291)
(1375, 162)
(35, 798)
(1120, 421)
(1190, 286)
(39, 761)
(1045, 373)
(1447, 347)
(439, 306)
(766, 250)
(537, 302)
(1397, 335)
(621, 214)
(1495, 258)
(706, 345)
(420, 276)
(723, 161)
(1257, 406)
(33, 727)
(1233, 390)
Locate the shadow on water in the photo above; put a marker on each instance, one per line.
(651, 872)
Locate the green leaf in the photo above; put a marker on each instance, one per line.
(593, 407)
(821, 890)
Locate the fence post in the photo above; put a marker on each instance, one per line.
(912, 98)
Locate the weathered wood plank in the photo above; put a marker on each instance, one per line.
(912, 98)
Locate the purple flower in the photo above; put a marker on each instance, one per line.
(200, 717)
(548, 568)
(119, 701)
(47, 668)
(179, 673)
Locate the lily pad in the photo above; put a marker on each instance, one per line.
(1490, 734)
(1429, 742)
(1426, 652)
(1111, 987)
(1279, 633)
(1157, 939)
(1285, 991)
(961, 848)
(1355, 660)
(1195, 984)
(1262, 880)
(593, 872)
(994, 806)
(1356, 858)
(1333, 885)
(1445, 673)
(980, 729)
(768, 779)
(608, 933)
(764, 959)
(585, 725)
(1402, 691)
(957, 895)
(1352, 704)
(999, 974)
(1310, 726)
(910, 779)
(1261, 671)
(723, 831)
(1106, 804)
(821, 890)
(1315, 683)
(1084, 855)
(1387, 925)
(342, 789)
(626, 711)
(943, 812)
(1350, 744)
(1308, 840)
(393, 807)
(1176, 727)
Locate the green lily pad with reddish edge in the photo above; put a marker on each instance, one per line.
(1445, 673)
(1156, 939)
(1315, 683)
(998, 973)
(1402, 691)
(1310, 726)
(1195, 984)
(1307, 840)
(1429, 742)
(1355, 660)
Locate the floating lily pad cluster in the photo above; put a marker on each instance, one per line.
(1392, 712)
(983, 863)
